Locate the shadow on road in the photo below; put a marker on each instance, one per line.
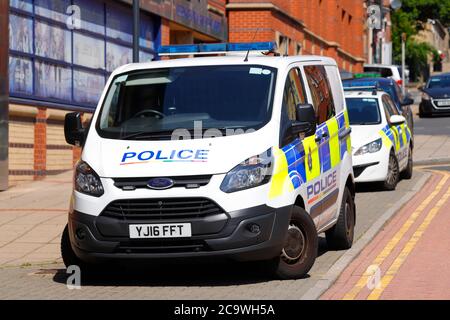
(206, 273)
(369, 187)
(173, 275)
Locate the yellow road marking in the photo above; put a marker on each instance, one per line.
(409, 246)
(363, 280)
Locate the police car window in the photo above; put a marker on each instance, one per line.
(363, 111)
(392, 108)
(160, 101)
(388, 108)
(321, 92)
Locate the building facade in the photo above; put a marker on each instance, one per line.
(333, 28)
(436, 35)
(61, 53)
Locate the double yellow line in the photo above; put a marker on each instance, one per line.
(409, 246)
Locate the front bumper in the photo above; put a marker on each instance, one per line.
(225, 235)
(371, 167)
(429, 107)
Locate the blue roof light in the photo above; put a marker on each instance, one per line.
(353, 85)
(216, 48)
(179, 48)
(213, 47)
(252, 46)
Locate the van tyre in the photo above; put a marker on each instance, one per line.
(300, 248)
(68, 255)
(393, 174)
(340, 237)
(408, 172)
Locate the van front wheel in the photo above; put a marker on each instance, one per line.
(300, 247)
(68, 255)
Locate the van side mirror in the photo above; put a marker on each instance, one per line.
(73, 129)
(306, 120)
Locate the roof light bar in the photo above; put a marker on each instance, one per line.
(361, 85)
(215, 48)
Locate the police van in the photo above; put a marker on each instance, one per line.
(244, 155)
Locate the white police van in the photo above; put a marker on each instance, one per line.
(241, 156)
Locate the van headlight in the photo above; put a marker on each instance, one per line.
(87, 181)
(372, 147)
(253, 172)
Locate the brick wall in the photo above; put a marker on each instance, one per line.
(333, 28)
(37, 146)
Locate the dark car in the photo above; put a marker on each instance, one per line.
(392, 88)
(435, 96)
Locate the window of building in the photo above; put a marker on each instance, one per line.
(321, 93)
(52, 61)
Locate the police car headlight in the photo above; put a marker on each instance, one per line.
(372, 147)
(253, 172)
(87, 181)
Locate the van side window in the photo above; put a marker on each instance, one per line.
(321, 93)
(294, 94)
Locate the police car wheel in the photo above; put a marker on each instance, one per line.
(408, 172)
(340, 237)
(393, 174)
(300, 247)
(67, 253)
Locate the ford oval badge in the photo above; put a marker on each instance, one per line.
(160, 183)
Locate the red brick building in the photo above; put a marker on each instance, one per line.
(334, 28)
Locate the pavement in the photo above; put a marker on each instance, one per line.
(409, 258)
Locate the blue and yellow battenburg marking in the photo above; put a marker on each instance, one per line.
(303, 161)
(398, 136)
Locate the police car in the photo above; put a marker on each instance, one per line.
(245, 155)
(382, 143)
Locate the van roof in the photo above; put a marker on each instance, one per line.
(230, 59)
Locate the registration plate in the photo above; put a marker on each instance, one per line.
(444, 102)
(166, 230)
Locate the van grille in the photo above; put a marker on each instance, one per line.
(162, 246)
(189, 182)
(168, 208)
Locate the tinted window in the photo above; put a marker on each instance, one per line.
(384, 72)
(439, 82)
(363, 111)
(162, 100)
(321, 92)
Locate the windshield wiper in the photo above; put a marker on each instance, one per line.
(163, 135)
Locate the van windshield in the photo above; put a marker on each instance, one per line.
(152, 104)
